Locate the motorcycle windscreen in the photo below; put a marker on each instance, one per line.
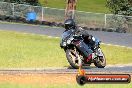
(66, 34)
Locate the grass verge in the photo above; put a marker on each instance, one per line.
(13, 85)
(82, 5)
(20, 50)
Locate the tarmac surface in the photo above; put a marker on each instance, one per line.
(91, 69)
(121, 39)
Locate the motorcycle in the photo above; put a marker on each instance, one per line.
(79, 52)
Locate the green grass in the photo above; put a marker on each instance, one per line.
(19, 50)
(13, 85)
(90, 86)
(26, 50)
(117, 55)
(82, 5)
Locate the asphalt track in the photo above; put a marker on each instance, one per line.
(91, 69)
(122, 39)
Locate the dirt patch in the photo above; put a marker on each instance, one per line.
(41, 79)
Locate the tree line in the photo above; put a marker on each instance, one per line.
(122, 7)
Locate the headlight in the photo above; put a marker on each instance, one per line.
(64, 43)
(93, 38)
(69, 40)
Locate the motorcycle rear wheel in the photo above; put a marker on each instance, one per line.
(101, 62)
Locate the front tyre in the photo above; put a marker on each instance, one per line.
(71, 57)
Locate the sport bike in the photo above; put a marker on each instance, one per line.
(80, 51)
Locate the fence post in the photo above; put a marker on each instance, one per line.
(105, 20)
(42, 14)
(13, 9)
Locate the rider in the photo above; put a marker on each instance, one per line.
(70, 24)
(88, 39)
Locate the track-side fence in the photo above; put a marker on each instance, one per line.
(85, 19)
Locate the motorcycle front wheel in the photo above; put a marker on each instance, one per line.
(71, 55)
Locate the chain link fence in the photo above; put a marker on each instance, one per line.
(6, 8)
(53, 15)
(84, 19)
(21, 10)
(119, 22)
(93, 20)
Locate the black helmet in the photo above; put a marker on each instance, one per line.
(69, 24)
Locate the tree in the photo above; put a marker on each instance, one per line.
(31, 2)
(122, 7)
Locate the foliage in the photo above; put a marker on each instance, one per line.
(122, 7)
(31, 2)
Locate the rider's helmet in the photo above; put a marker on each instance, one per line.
(69, 24)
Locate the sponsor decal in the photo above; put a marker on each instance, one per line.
(83, 78)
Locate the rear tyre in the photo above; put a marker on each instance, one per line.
(101, 61)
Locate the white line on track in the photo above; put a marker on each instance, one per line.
(116, 45)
